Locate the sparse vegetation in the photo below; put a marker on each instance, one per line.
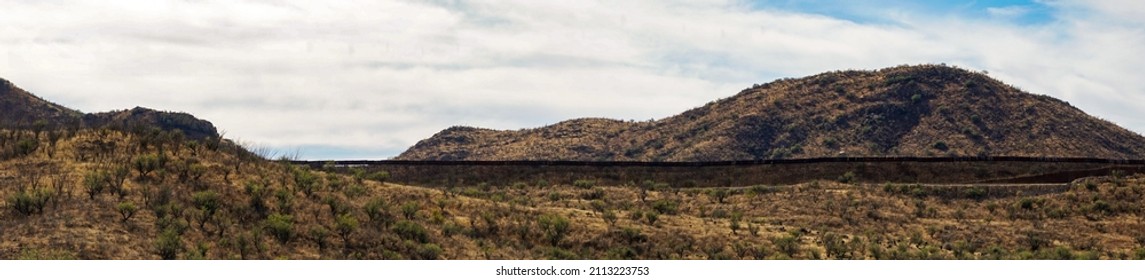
(184, 196)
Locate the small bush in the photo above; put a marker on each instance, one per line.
(145, 164)
(665, 206)
(554, 226)
(30, 202)
(378, 211)
(281, 226)
(345, 224)
(94, 183)
(411, 231)
(652, 217)
(126, 210)
(318, 234)
(26, 147)
(429, 251)
(169, 244)
(305, 181)
(787, 244)
(584, 183)
(380, 176)
(409, 210)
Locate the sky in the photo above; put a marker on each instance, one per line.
(368, 79)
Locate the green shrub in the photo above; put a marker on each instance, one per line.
(409, 210)
(554, 226)
(411, 231)
(379, 176)
(145, 164)
(429, 251)
(281, 226)
(345, 224)
(336, 205)
(665, 206)
(256, 194)
(94, 183)
(305, 181)
(378, 211)
(169, 244)
(355, 190)
(26, 147)
(555, 253)
(318, 234)
(584, 183)
(719, 194)
(652, 217)
(126, 210)
(30, 202)
(847, 178)
(787, 244)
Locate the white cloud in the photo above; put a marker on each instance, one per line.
(1008, 11)
(382, 75)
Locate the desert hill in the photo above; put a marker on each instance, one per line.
(926, 110)
(117, 186)
(21, 109)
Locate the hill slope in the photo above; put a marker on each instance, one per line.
(926, 110)
(21, 109)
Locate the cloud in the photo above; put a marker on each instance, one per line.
(1008, 11)
(377, 76)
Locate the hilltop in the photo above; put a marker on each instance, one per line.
(20, 109)
(926, 110)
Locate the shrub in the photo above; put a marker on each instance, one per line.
(411, 231)
(318, 234)
(409, 210)
(26, 147)
(594, 194)
(787, 244)
(554, 226)
(146, 164)
(976, 193)
(336, 205)
(94, 183)
(208, 204)
(941, 146)
(305, 181)
(652, 217)
(847, 178)
(378, 211)
(380, 176)
(719, 194)
(281, 226)
(584, 183)
(665, 206)
(429, 251)
(345, 224)
(169, 244)
(126, 210)
(355, 190)
(30, 202)
(256, 194)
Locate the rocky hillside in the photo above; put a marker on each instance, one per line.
(20, 109)
(925, 110)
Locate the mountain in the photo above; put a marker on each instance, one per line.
(21, 109)
(18, 108)
(925, 110)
